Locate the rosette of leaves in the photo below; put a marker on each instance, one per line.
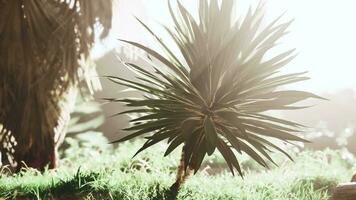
(216, 97)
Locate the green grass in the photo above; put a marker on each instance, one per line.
(104, 172)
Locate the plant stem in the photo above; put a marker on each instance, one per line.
(353, 179)
(183, 173)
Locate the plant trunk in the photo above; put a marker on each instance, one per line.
(44, 153)
(346, 191)
(38, 158)
(183, 173)
(35, 145)
(41, 154)
(353, 179)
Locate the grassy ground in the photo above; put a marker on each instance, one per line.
(104, 172)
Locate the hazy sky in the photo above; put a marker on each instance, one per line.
(324, 33)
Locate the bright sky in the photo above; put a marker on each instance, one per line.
(324, 33)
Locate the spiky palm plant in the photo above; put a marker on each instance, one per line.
(216, 98)
(41, 45)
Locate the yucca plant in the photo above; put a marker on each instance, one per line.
(42, 43)
(216, 98)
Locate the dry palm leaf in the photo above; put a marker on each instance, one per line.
(41, 43)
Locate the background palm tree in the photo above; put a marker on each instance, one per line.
(217, 96)
(42, 43)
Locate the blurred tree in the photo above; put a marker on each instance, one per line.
(43, 44)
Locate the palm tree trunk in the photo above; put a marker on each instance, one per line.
(183, 173)
(38, 158)
(39, 150)
(45, 153)
(38, 155)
